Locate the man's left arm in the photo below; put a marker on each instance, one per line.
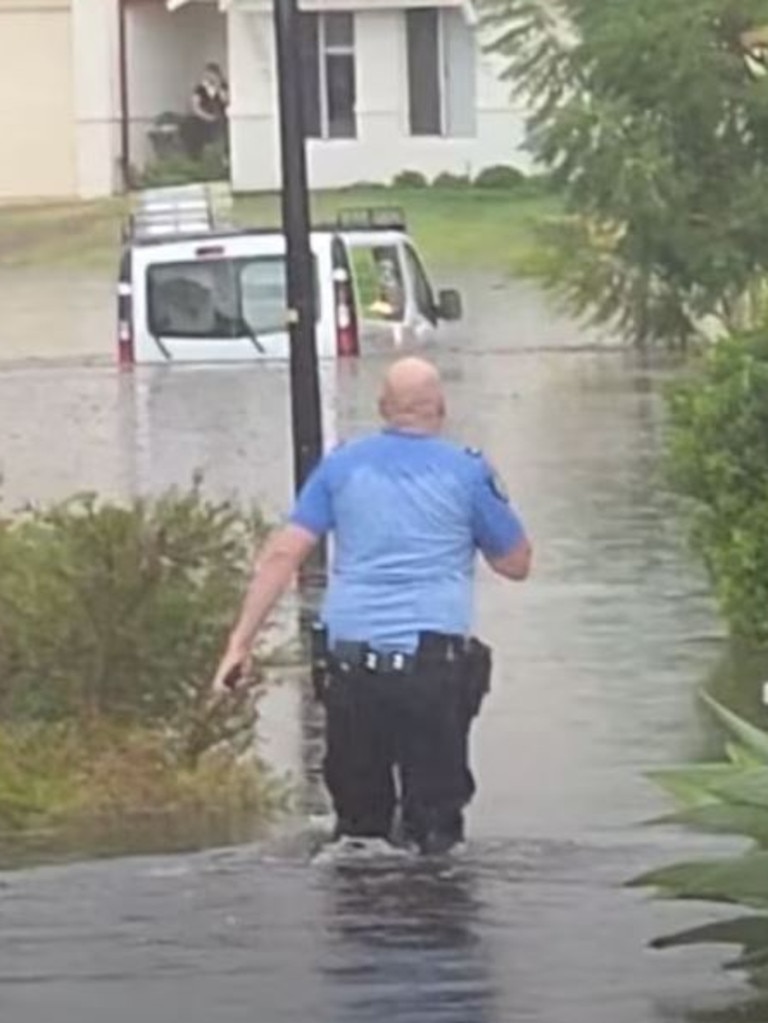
(499, 532)
(274, 568)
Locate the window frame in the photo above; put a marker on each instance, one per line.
(418, 271)
(326, 50)
(441, 73)
(449, 105)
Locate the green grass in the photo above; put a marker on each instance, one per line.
(461, 228)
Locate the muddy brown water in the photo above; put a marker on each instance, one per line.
(598, 657)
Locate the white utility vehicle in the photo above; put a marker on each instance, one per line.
(193, 288)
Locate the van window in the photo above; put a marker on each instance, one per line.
(379, 281)
(218, 298)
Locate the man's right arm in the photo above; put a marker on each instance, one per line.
(498, 530)
(274, 568)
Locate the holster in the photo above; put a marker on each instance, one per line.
(478, 667)
(320, 661)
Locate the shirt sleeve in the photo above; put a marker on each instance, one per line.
(313, 509)
(496, 527)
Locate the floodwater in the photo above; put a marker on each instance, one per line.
(598, 660)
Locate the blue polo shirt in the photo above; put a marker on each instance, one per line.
(408, 512)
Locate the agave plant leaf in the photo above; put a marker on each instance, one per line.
(751, 932)
(740, 756)
(754, 739)
(751, 961)
(748, 787)
(738, 879)
(722, 819)
(691, 785)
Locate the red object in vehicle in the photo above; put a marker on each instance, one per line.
(125, 352)
(126, 355)
(208, 251)
(347, 337)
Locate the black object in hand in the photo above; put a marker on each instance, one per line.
(233, 676)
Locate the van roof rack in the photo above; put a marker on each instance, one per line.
(363, 218)
(178, 211)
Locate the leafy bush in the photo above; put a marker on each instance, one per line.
(718, 461)
(448, 181)
(728, 798)
(112, 619)
(120, 613)
(409, 179)
(104, 775)
(500, 176)
(652, 117)
(180, 169)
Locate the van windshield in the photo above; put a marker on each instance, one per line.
(218, 298)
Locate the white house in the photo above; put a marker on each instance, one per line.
(391, 85)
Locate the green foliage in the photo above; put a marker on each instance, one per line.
(718, 461)
(655, 126)
(120, 612)
(501, 177)
(112, 618)
(449, 181)
(179, 169)
(69, 775)
(726, 798)
(409, 179)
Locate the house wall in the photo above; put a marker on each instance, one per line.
(168, 52)
(37, 114)
(95, 52)
(383, 147)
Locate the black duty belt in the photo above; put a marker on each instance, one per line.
(433, 648)
(353, 656)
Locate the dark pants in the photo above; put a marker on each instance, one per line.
(197, 134)
(399, 734)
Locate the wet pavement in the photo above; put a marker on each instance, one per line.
(598, 656)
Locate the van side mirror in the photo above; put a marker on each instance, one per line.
(449, 306)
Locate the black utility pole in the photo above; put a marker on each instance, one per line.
(306, 415)
(305, 385)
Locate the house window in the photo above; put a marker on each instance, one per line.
(441, 55)
(328, 72)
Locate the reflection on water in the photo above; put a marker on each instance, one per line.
(407, 944)
(598, 658)
(165, 831)
(743, 1011)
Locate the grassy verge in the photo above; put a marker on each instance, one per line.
(100, 775)
(464, 227)
(112, 618)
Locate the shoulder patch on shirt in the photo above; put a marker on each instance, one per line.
(497, 485)
(475, 452)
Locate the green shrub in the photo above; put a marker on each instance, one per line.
(120, 613)
(726, 798)
(409, 179)
(449, 181)
(501, 177)
(112, 619)
(100, 776)
(180, 169)
(718, 462)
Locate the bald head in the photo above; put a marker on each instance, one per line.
(412, 396)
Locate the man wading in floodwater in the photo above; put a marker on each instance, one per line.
(402, 677)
